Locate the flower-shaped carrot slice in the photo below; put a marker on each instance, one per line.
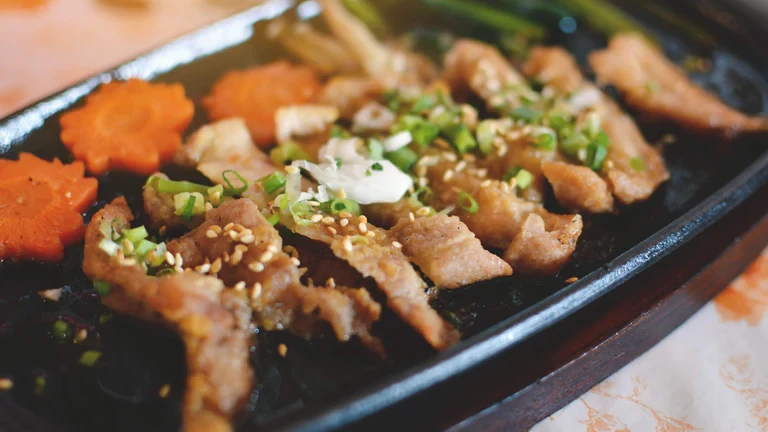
(255, 94)
(40, 206)
(133, 125)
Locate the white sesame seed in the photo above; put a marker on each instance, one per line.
(282, 350)
(81, 335)
(266, 256)
(234, 235)
(397, 244)
(247, 239)
(291, 169)
(128, 262)
(208, 206)
(328, 220)
(571, 279)
(216, 266)
(502, 150)
(460, 166)
(344, 222)
(211, 234)
(505, 187)
(295, 261)
(330, 283)
(371, 234)
(482, 173)
(316, 218)
(6, 384)
(236, 258)
(332, 230)
(179, 259)
(424, 211)
(203, 268)
(512, 182)
(229, 226)
(288, 249)
(272, 248)
(362, 219)
(225, 257)
(240, 286)
(448, 175)
(256, 291)
(347, 244)
(162, 230)
(241, 248)
(411, 216)
(469, 157)
(341, 194)
(449, 156)
(169, 259)
(486, 183)
(216, 229)
(345, 214)
(313, 203)
(422, 181)
(362, 227)
(609, 165)
(256, 267)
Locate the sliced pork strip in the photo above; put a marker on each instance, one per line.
(545, 243)
(653, 85)
(372, 253)
(501, 218)
(578, 187)
(211, 321)
(557, 68)
(472, 66)
(321, 264)
(447, 251)
(387, 215)
(249, 253)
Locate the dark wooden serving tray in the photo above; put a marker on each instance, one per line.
(529, 345)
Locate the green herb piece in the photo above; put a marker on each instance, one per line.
(637, 163)
(135, 235)
(545, 141)
(444, 120)
(572, 145)
(102, 288)
(403, 158)
(375, 149)
(468, 203)
(39, 385)
(89, 358)
(558, 123)
(165, 272)
(523, 179)
(425, 133)
(461, 138)
(144, 247)
(424, 103)
(273, 182)
(526, 114)
(604, 17)
(486, 133)
(602, 140)
(174, 187)
(188, 207)
(274, 219)
(391, 99)
(60, 330)
(339, 205)
(451, 317)
(596, 155)
(230, 189)
(287, 152)
(511, 173)
(104, 318)
(377, 167)
(336, 132)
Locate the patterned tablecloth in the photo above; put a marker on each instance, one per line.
(709, 375)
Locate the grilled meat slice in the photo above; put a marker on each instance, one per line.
(447, 251)
(654, 86)
(387, 215)
(629, 149)
(248, 253)
(578, 187)
(213, 323)
(474, 67)
(545, 243)
(371, 252)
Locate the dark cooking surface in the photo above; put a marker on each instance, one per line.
(121, 395)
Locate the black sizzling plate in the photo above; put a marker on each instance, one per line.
(322, 384)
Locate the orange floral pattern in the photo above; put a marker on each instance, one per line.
(737, 374)
(747, 297)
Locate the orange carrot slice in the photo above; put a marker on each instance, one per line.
(255, 94)
(40, 206)
(133, 126)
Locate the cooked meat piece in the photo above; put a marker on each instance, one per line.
(654, 86)
(474, 66)
(212, 321)
(350, 94)
(227, 145)
(161, 210)
(372, 253)
(387, 215)
(320, 262)
(500, 217)
(248, 252)
(447, 251)
(545, 243)
(578, 187)
(557, 69)
(304, 120)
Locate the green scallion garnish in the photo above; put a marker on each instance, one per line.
(186, 214)
(89, 358)
(39, 385)
(273, 182)
(144, 247)
(511, 173)
(289, 151)
(468, 203)
(135, 235)
(486, 133)
(60, 330)
(424, 103)
(596, 155)
(231, 189)
(462, 138)
(377, 167)
(274, 219)
(523, 179)
(558, 123)
(545, 142)
(526, 114)
(391, 99)
(375, 149)
(403, 158)
(339, 205)
(175, 187)
(102, 288)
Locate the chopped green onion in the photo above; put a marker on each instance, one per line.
(375, 149)
(273, 182)
(602, 140)
(545, 141)
(287, 152)
(338, 162)
(89, 358)
(403, 158)
(444, 120)
(336, 132)
(526, 114)
(558, 123)
(169, 186)
(299, 211)
(511, 173)
(637, 163)
(572, 145)
(165, 272)
(424, 103)
(135, 235)
(462, 138)
(391, 99)
(339, 205)
(60, 330)
(188, 208)
(468, 203)
(39, 385)
(523, 179)
(274, 219)
(425, 133)
(596, 156)
(486, 133)
(377, 167)
(368, 172)
(444, 97)
(144, 247)
(104, 318)
(230, 189)
(102, 288)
